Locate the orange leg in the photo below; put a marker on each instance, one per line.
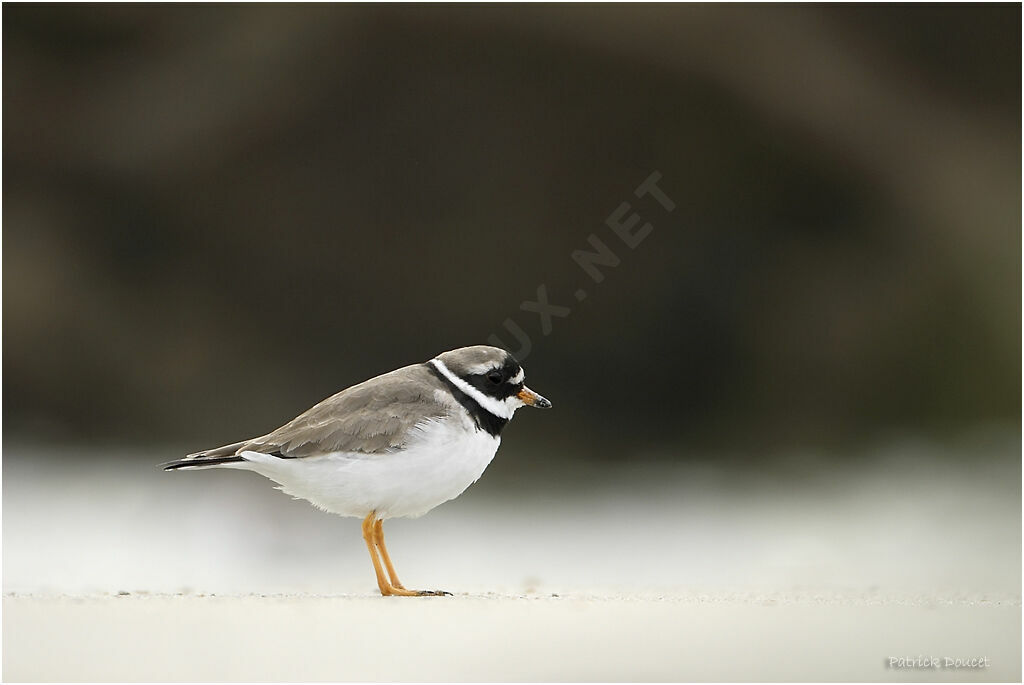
(368, 536)
(378, 531)
(373, 534)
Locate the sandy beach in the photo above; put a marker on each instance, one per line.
(695, 574)
(500, 637)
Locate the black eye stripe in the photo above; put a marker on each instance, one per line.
(500, 390)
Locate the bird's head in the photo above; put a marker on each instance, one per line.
(494, 375)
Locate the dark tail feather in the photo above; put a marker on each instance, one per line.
(212, 457)
(198, 462)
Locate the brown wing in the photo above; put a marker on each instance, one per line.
(372, 417)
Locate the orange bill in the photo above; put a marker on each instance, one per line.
(533, 399)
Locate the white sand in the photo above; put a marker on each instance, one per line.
(695, 573)
(484, 638)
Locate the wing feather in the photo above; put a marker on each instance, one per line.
(370, 418)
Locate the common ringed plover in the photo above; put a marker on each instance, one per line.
(396, 445)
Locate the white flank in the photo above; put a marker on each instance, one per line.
(438, 465)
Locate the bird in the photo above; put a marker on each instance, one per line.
(394, 446)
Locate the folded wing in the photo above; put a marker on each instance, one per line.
(370, 418)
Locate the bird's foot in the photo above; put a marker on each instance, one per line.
(402, 592)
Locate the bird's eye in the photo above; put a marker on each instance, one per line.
(494, 377)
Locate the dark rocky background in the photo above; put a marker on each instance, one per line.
(215, 216)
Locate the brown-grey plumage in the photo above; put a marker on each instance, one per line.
(373, 416)
(369, 418)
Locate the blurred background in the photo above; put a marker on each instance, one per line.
(215, 216)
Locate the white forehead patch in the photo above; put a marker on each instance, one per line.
(476, 369)
(518, 378)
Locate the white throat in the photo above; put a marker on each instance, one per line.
(503, 409)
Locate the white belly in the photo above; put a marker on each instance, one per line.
(437, 466)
